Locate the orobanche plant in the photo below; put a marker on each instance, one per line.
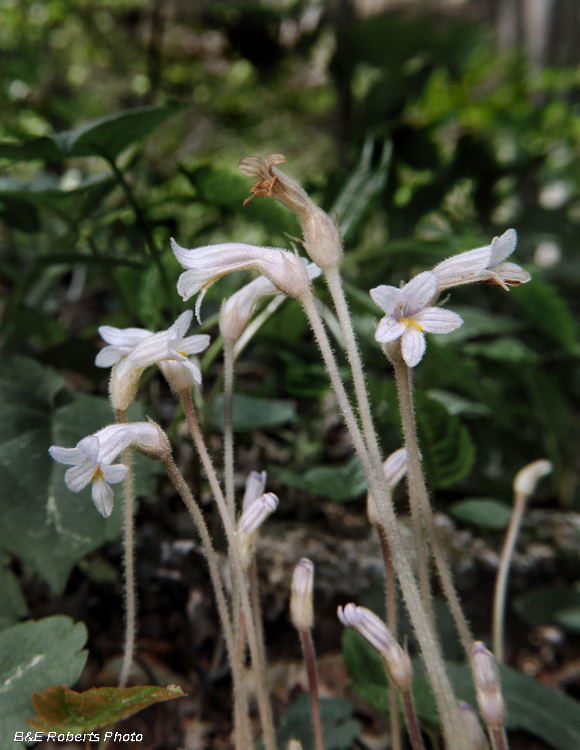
(409, 313)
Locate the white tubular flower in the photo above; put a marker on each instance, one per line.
(237, 310)
(379, 636)
(395, 468)
(483, 265)
(487, 685)
(474, 730)
(207, 264)
(255, 486)
(301, 610)
(322, 239)
(134, 349)
(407, 315)
(251, 520)
(528, 477)
(92, 459)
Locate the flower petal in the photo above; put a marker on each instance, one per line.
(465, 268)
(438, 320)
(113, 440)
(194, 344)
(114, 473)
(386, 297)
(255, 485)
(110, 355)
(67, 456)
(90, 447)
(413, 346)
(79, 476)
(512, 274)
(389, 329)
(419, 291)
(395, 467)
(502, 246)
(126, 337)
(103, 497)
(181, 325)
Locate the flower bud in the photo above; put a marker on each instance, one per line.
(474, 730)
(255, 485)
(322, 239)
(395, 468)
(528, 477)
(152, 442)
(377, 634)
(301, 610)
(251, 520)
(487, 685)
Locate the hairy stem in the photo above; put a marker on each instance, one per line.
(503, 574)
(452, 723)
(241, 720)
(414, 732)
(420, 499)
(228, 426)
(392, 625)
(498, 738)
(308, 649)
(261, 677)
(128, 565)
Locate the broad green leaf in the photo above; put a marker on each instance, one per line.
(362, 187)
(340, 730)
(484, 512)
(105, 137)
(446, 445)
(338, 483)
(12, 603)
(550, 312)
(504, 349)
(43, 522)
(543, 605)
(569, 618)
(60, 709)
(455, 404)
(251, 413)
(36, 655)
(45, 192)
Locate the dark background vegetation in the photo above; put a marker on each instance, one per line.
(426, 130)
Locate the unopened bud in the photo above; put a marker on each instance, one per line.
(251, 520)
(528, 477)
(487, 685)
(294, 745)
(395, 468)
(153, 444)
(378, 635)
(301, 610)
(473, 727)
(255, 485)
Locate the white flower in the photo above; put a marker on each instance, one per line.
(528, 477)
(251, 520)
(133, 349)
(301, 611)
(487, 685)
(407, 315)
(483, 265)
(237, 310)
(255, 485)
(209, 263)
(92, 459)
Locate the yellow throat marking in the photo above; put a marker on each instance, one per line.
(410, 322)
(98, 475)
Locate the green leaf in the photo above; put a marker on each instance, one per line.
(569, 618)
(338, 483)
(340, 730)
(251, 413)
(43, 522)
(61, 710)
(105, 137)
(504, 349)
(484, 512)
(544, 604)
(477, 323)
(35, 656)
(44, 192)
(12, 603)
(363, 186)
(446, 445)
(550, 312)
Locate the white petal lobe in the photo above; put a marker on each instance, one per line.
(413, 346)
(438, 320)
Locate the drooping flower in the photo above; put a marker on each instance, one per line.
(251, 520)
(209, 263)
(487, 685)
(483, 265)
(237, 310)
(91, 459)
(322, 239)
(301, 610)
(408, 315)
(133, 349)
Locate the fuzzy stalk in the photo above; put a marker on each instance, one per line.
(228, 426)
(412, 726)
(391, 596)
(498, 738)
(308, 650)
(242, 729)
(503, 575)
(128, 565)
(264, 705)
(453, 727)
(420, 499)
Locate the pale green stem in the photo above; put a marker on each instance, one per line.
(228, 426)
(242, 730)
(420, 498)
(503, 574)
(128, 565)
(392, 625)
(261, 677)
(453, 727)
(308, 649)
